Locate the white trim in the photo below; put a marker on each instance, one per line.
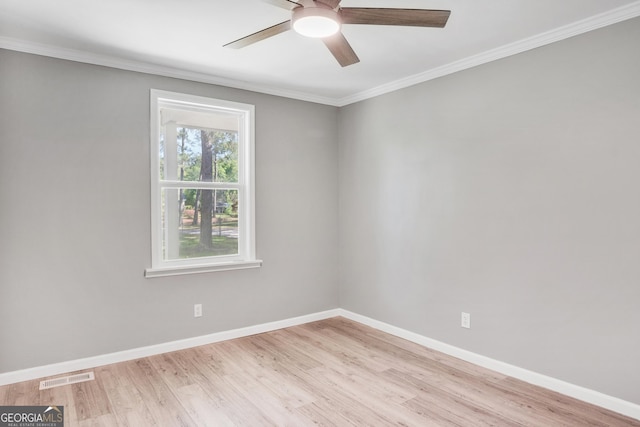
(85, 57)
(590, 396)
(598, 21)
(194, 269)
(137, 353)
(593, 23)
(587, 395)
(161, 237)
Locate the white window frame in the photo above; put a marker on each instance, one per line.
(246, 257)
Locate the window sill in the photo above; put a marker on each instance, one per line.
(193, 269)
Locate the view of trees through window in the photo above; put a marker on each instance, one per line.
(206, 218)
(202, 184)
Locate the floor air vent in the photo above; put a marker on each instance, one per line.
(70, 379)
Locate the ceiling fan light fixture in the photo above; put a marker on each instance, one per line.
(315, 22)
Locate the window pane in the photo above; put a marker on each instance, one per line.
(195, 153)
(199, 223)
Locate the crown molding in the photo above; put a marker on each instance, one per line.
(155, 69)
(593, 23)
(598, 21)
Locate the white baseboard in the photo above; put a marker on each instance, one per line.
(137, 353)
(612, 403)
(590, 396)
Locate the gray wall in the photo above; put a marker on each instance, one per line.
(75, 212)
(510, 191)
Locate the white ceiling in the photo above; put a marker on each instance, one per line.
(184, 38)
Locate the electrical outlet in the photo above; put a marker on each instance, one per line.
(197, 310)
(465, 320)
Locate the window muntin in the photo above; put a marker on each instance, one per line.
(202, 183)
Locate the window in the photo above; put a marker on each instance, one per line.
(202, 199)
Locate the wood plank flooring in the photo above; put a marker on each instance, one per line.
(333, 372)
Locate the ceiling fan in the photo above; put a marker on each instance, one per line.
(324, 18)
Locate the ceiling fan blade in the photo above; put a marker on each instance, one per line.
(404, 17)
(285, 4)
(331, 3)
(260, 35)
(341, 50)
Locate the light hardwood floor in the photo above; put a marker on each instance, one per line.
(333, 372)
